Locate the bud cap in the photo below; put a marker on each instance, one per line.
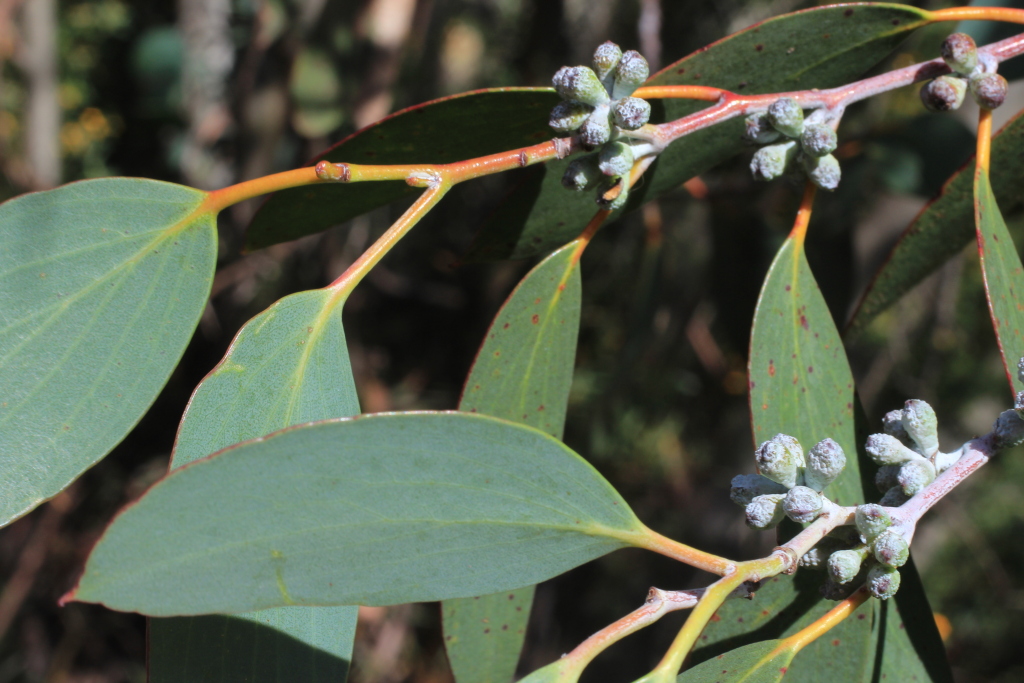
(581, 84)
(871, 520)
(765, 512)
(746, 487)
(568, 116)
(915, 475)
(921, 424)
(843, 565)
(825, 462)
(989, 90)
(630, 74)
(887, 450)
(772, 161)
(945, 93)
(760, 131)
(631, 113)
(823, 171)
(606, 58)
(892, 424)
(960, 53)
(803, 504)
(787, 117)
(883, 582)
(890, 549)
(780, 459)
(818, 139)
(582, 173)
(596, 130)
(615, 159)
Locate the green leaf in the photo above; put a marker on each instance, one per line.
(1004, 277)
(102, 283)
(441, 131)
(373, 510)
(818, 48)
(288, 365)
(944, 227)
(765, 662)
(523, 373)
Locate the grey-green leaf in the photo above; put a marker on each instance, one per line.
(373, 510)
(102, 283)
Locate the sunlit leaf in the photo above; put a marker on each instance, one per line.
(944, 227)
(102, 283)
(523, 373)
(373, 510)
(286, 366)
(764, 662)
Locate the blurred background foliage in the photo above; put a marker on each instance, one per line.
(210, 92)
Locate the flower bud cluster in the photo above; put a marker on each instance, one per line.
(874, 556)
(789, 482)
(908, 452)
(597, 107)
(792, 142)
(946, 93)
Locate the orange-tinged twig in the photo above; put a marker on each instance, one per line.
(655, 542)
(1007, 14)
(682, 92)
(832, 618)
(803, 215)
(984, 153)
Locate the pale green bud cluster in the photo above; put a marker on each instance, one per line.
(789, 482)
(875, 558)
(948, 92)
(792, 144)
(908, 452)
(598, 107)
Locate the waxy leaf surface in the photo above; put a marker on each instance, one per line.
(102, 283)
(944, 227)
(442, 131)
(817, 48)
(288, 365)
(374, 510)
(1004, 278)
(764, 662)
(523, 373)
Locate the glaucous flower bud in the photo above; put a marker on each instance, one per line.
(892, 424)
(582, 173)
(921, 424)
(631, 113)
(606, 58)
(843, 565)
(823, 171)
(803, 504)
(746, 487)
(894, 497)
(945, 93)
(817, 557)
(1009, 429)
(890, 549)
(568, 116)
(1018, 400)
(596, 130)
(772, 161)
(581, 84)
(780, 459)
(989, 90)
(787, 117)
(765, 512)
(760, 131)
(883, 582)
(615, 159)
(818, 139)
(825, 462)
(887, 450)
(886, 477)
(630, 74)
(915, 475)
(871, 520)
(960, 53)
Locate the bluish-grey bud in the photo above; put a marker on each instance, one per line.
(568, 116)
(843, 565)
(615, 159)
(582, 173)
(772, 161)
(818, 139)
(825, 462)
(945, 93)
(871, 520)
(888, 450)
(765, 512)
(1009, 429)
(830, 590)
(606, 58)
(915, 475)
(780, 459)
(817, 557)
(1020, 370)
(746, 487)
(1018, 400)
(894, 497)
(631, 113)
(883, 582)
(787, 117)
(581, 84)
(759, 130)
(892, 424)
(630, 74)
(921, 424)
(803, 504)
(989, 90)
(596, 130)
(886, 477)
(960, 53)
(890, 549)
(823, 171)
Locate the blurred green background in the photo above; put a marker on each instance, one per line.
(210, 92)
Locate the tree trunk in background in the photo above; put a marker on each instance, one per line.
(42, 117)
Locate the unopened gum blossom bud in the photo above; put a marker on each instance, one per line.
(824, 172)
(872, 520)
(818, 139)
(888, 450)
(960, 53)
(892, 424)
(803, 504)
(606, 58)
(890, 549)
(787, 117)
(773, 161)
(780, 459)
(615, 159)
(883, 582)
(746, 487)
(921, 424)
(759, 130)
(915, 475)
(581, 84)
(765, 512)
(1009, 429)
(569, 116)
(825, 462)
(843, 565)
(630, 74)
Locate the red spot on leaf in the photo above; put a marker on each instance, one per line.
(716, 618)
(810, 368)
(536, 318)
(771, 368)
(803, 322)
(505, 326)
(835, 642)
